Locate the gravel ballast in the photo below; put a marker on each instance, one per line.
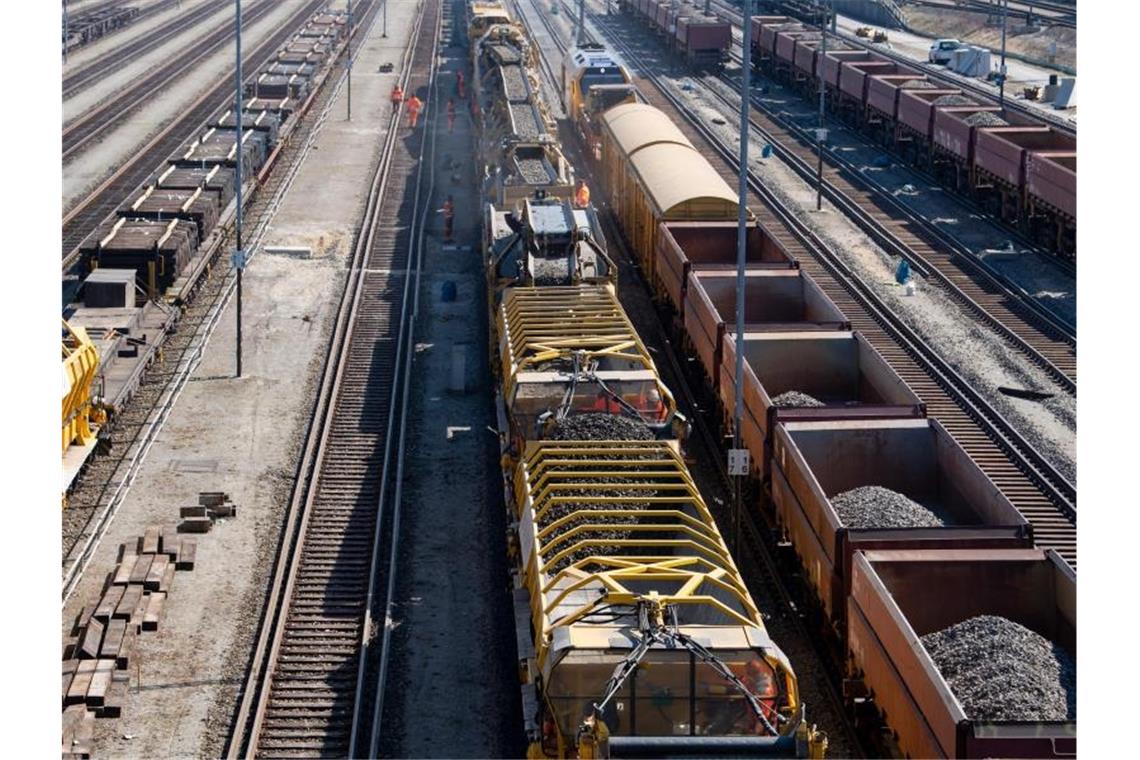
(1001, 671)
(599, 426)
(986, 119)
(953, 100)
(878, 507)
(525, 120)
(514, 82)
(795, 398)
(550, 271)
(533, 171)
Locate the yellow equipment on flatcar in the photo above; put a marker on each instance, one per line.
(81, 416)
(572, 349)
(646, 640)
(482, 15)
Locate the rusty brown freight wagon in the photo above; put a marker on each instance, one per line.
(815, 462)
(654, 174)
(1051, 181)
(1000, 152)
(782, 299)
(884, 90)
(838, 368)
(916, 108)
(685, 247)
(899, 596)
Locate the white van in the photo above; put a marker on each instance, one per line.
(942, 50)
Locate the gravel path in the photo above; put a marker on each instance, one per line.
(1001, 671)
(795, 398)
(878, 507)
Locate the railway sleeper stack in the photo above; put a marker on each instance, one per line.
(97, 661)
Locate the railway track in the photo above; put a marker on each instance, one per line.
(1028, 328)
(816, 674)
(100, 67)
(107, 115)
(86, 215)
(1031, 483)
(306, 693)
(936, 73)
(104, 484)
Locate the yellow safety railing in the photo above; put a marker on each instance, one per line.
(80, 365)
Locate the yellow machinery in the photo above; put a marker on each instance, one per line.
(593, 82)
(646, 640)
(482, 15)
(571, 349)
(80, 365)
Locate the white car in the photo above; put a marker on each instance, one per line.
(941, 51)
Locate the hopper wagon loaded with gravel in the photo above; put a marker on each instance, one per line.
(1022, 170)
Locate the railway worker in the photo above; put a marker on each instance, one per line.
(414, 106)
(450, 115)
(650, 402)
(459, 84)
(605, 402)
(448, 211)
(582, 195)
(397, 95)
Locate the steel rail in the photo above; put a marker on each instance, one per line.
(100, 204)
(973, 421)
(189, 359)
(1039, 335)
(108, 114)
(345, 379)
(97, 68)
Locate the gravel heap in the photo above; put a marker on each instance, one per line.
(1000, 670)
(953, 100)
(533, 171)
(552, 271)
(985, 119)
(505, 53)
(514, 82)
(878, 507)
(919, 84)
(599, 426)
(795, 398)
(525, 120)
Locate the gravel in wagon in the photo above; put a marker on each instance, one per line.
(1001, 671)
(552, 271)
(533, 171)
(878, 507)
(985, 119)
(919, 84)
(505, 53)
(795, 398)
(525, 120)
(598, 426)
(514, 83)
(953, 100)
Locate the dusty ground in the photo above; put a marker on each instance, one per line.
(453, 651)
(972, 28)
(96, 160)
(242, 436)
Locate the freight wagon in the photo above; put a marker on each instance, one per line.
(703, 40)
(935, 127)
(654, 174)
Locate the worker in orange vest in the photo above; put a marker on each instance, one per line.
(448, 218)
(459, 83)
(450, 116)
(651, 403)
(397, 95)
(414, 105)
(606, 403)
(582, 195)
